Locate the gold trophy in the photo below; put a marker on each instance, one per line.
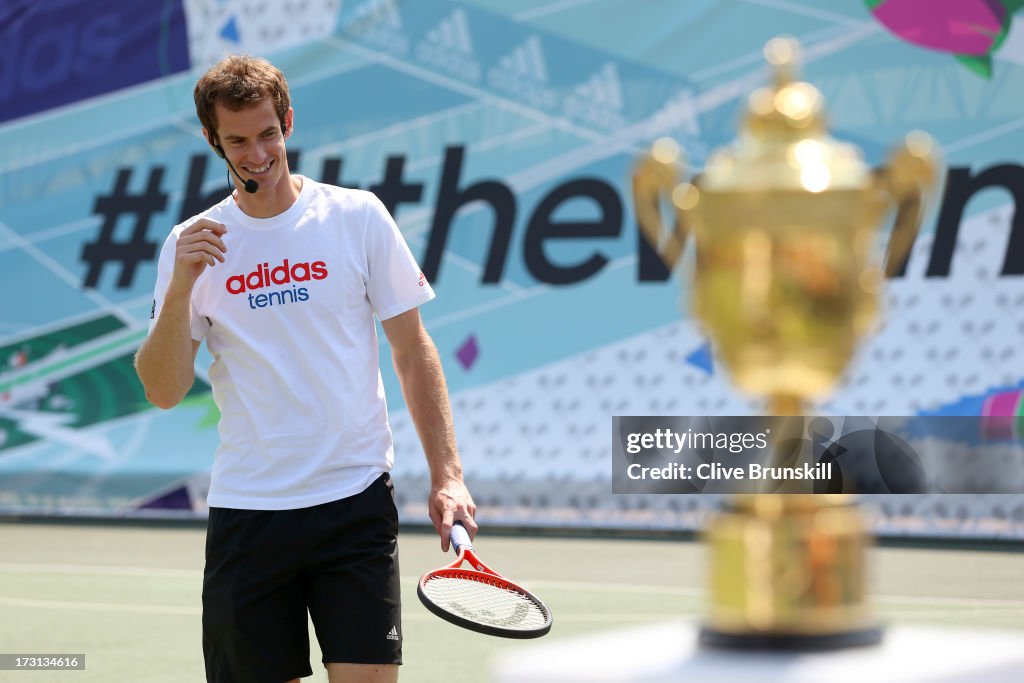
(785, 222)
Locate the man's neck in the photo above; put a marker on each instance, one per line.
(269, 203)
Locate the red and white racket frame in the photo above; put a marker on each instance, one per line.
(480, 573)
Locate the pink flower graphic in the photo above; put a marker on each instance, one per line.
(970, 29)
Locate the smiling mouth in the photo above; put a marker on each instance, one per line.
(258, 171)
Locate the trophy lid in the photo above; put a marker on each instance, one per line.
(783, 142)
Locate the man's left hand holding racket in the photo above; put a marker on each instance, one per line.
(449, 502)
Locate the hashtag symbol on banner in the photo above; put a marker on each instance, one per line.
(129, 253)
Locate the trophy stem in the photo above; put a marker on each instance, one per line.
(785, 404)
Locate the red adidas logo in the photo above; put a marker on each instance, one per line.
(283, 274)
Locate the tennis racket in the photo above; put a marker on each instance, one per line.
(480, 598)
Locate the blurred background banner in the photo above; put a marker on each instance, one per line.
(501, 136)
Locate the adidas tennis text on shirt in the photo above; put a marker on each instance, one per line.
(289, 320)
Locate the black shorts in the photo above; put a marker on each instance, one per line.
(266, 568)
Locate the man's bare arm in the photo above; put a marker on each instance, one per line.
(165, 361)
(426, 394)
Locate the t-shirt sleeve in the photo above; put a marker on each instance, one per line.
(395, 283)
(165, 266)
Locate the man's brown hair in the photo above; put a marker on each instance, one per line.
(237, 82)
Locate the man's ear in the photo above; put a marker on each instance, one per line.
(288, 124)
(218, 150)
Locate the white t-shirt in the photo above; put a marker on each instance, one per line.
(288, 318)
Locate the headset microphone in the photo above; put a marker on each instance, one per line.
(251, 186)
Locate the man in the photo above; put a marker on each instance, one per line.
(283, 279)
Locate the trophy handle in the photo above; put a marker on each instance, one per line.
(655, 176)
(909, 178)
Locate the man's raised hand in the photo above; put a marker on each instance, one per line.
(199, 245)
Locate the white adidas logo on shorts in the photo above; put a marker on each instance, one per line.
(393, 634)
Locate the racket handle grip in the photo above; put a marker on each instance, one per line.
(460, 537)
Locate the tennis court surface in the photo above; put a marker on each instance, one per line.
(128, 597)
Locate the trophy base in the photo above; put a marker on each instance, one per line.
(790, 642)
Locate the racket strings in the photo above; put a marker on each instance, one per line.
(484, 600)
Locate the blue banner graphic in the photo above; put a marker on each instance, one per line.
(58, 52)
(502, 137)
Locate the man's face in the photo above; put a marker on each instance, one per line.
(253, 141)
